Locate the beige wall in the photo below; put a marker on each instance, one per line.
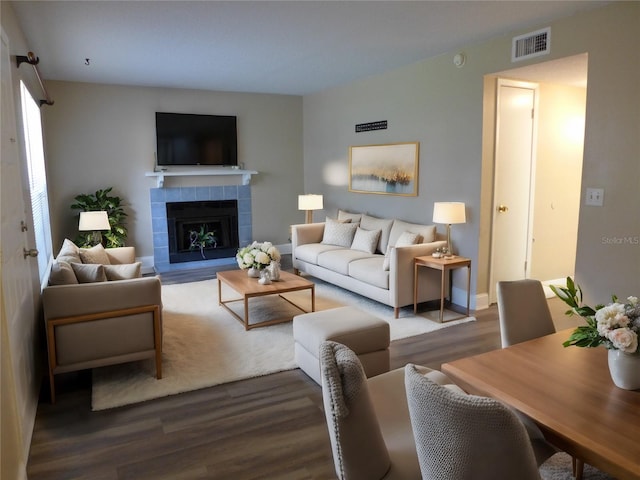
(558, 173)
(441, 106)
(103, 135)
(608, 251)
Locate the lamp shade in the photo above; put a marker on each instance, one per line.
(310, 202)
(92, 221)
(449, 212)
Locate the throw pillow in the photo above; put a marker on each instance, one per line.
(69, 252)
(89, 273)
(62, 274)
(427, 233)
(387, 258)
(95, 254)
(405, 239)
(352, 217)
(365, 240)
(337, 220)
(123, 272)
(340, 234)
(384, 225)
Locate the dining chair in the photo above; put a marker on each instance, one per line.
(523, 311)
(466, 436)
(368, 419)
(524, 314)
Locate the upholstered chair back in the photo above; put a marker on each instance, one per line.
(460, 436)
(523, 311)
(359, 451)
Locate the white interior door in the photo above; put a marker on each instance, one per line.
(20, 373)
(515, 140)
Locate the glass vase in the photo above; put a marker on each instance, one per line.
(253, 273)
(265, 277)
(625, 369)
(274, 270)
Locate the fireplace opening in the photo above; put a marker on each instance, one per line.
(202, 230)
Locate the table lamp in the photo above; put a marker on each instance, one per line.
(94, 222)
(309, 203)
(449, 213)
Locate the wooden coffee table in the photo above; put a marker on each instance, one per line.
(239, 281)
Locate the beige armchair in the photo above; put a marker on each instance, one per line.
(103, 323)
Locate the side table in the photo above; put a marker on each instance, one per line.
(444, 265)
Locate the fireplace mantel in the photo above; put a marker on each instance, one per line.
(246, 174)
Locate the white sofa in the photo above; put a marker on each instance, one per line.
(340, 254)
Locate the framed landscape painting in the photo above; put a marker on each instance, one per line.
(384, 169)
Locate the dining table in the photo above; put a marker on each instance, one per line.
(567, 392)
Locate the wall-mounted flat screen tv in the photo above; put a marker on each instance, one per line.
(189, 139)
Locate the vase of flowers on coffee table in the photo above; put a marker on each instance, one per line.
(256, 257)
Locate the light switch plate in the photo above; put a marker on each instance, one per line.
(595, 197)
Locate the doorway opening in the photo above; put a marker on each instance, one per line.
(532, 204)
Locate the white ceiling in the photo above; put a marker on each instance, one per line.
(285, 47)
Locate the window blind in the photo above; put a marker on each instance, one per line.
(34, 145)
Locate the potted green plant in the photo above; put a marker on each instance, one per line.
(202, 239)
(101, 200)
(615, 326)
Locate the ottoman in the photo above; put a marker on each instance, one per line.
(366, 335)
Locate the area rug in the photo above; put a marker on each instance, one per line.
(558, 467)
(204, 345)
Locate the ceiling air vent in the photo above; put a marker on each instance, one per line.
(531, 44)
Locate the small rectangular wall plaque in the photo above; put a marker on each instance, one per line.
(367, 127)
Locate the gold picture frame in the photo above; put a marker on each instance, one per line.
(389, 169)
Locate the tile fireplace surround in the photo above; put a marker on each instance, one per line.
(160, 197)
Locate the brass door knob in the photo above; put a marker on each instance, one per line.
(502, 208)
(32, 252)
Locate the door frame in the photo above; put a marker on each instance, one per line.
(500, 82)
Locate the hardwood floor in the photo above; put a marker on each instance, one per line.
(268, 427)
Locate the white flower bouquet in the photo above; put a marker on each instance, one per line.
(616, 326)
(257, 255)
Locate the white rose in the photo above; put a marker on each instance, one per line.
(263, 258)
(610, 317)
(633, 300)
(274, 253)
(266, 246)
(248, 258)
(624, 339)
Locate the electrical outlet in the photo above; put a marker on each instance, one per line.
(595, 197)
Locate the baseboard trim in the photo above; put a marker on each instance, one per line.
(476, 302)
(482, 301)
(147, 265)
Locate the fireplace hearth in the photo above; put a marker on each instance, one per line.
(185, 220)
